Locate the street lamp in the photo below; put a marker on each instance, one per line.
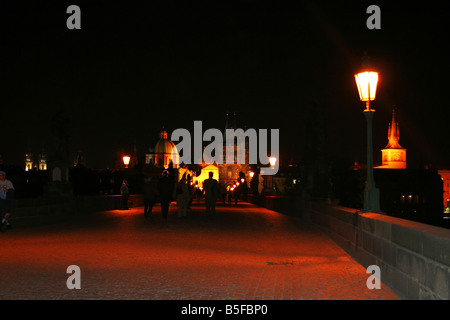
(126, 161)
(367, 81)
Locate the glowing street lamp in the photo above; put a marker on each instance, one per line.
(252, 174)
(366, 81)
(126, 161)
(367, 86)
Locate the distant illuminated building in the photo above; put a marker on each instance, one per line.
(393, 155)
(36, 163)
(79, 159)
(162, 152)
(28, 162)
(445, 176)
(230, 169)
(42, 161)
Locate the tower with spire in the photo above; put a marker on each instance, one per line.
(393, 155)
(230, 171)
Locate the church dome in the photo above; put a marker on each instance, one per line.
(163, 145)
(162, 151)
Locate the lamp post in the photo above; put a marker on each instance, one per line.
(367, 81)
(126, 161)
(272, 161)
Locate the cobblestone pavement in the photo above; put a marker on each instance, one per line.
(245, 253)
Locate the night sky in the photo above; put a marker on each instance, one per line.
(136, 66)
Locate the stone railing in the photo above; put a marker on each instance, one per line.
(414, 258)
(43, 210)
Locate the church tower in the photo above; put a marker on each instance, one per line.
(230, 171)
(393, 155)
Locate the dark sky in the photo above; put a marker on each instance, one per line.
(135, 66)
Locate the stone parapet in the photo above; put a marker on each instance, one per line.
(414, 258)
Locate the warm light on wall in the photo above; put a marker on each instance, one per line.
(367, 85)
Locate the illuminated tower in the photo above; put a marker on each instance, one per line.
(28, 162)
(42, 160)
(230, 170)
(393, 155)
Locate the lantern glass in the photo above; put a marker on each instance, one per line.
(126, 160)
(367, 85)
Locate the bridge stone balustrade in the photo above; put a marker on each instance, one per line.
(414, 258)
(51, 209)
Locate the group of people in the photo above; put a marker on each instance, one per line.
(182, 192)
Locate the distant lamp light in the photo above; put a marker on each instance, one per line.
(272, 161)
(242, 180)
(126, 161)
(252, 174)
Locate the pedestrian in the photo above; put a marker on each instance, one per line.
(182, 196)
(236, 194)
(149, 191)
(125, 194)
(229, 195)
(6, 201)
(211, 189)
(165, 193)
(191, 190)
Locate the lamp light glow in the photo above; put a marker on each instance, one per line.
(367, 85)
(126, 161)
(272, 161)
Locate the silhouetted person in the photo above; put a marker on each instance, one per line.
(149, 191)
(211, 188)
(165, 193)
(229, 195)
(236, 194)
(191, 190)
(6, 201)
(182, 196)
(125, 194)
